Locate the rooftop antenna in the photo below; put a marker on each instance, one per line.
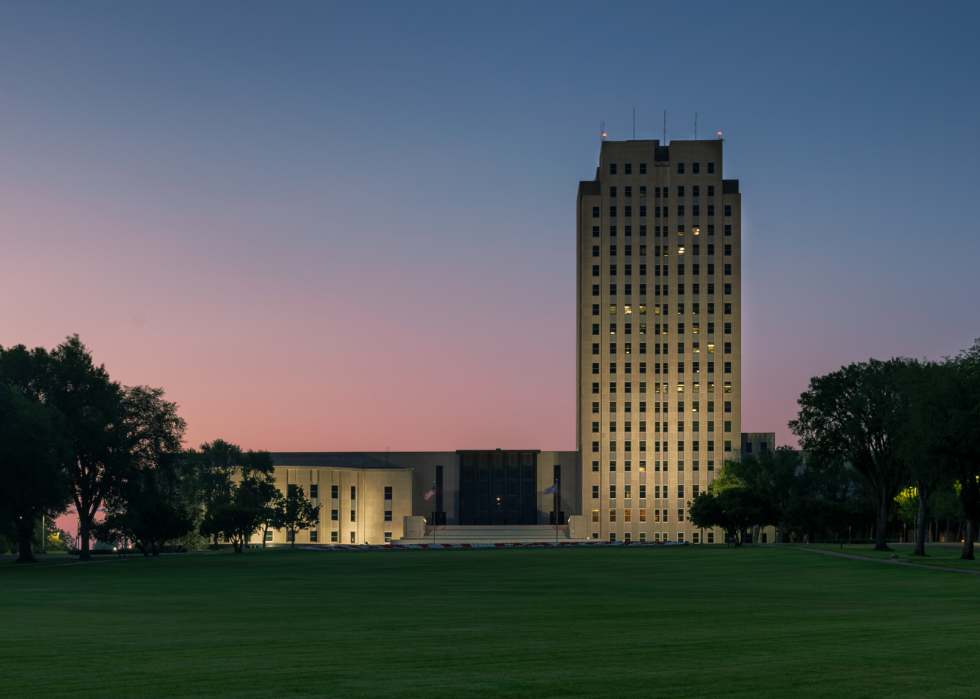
(665, 127)
(602, 129)
(695, 126)
(634, 123)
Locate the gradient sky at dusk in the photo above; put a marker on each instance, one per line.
(352, 226)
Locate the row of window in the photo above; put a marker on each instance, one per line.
(695, 309)
(680, 536)
(628, 327)
(627, 348)
(628, 492)
(695, 230)
(643, 465)
(335, 491)
(628, 168)
(627, 517)
(695, 271)
(335, 515)
(695, 445)
(695, 408)
(628, 426)
(696, 385)
(628, 211)
(661, 192)
(659, 250)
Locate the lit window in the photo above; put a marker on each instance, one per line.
(711, 387)
(612, 309)
(695, 328)
(595, 515)
(728, 387)
(680, 387)
(696, 230)
(711, 348)
(612, 518)
(628, 309)
(627, 518)
(643, 309)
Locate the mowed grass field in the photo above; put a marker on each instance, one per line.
(694, 621)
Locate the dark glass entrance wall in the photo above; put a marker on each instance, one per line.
(498, 487)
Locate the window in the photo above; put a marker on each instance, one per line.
(595, 492)
(387, 492)
(612, 518)
(629, 190)
(595, 348)
(595, 212)
(680, 171)
(612, 168)
(696, 169)
(268, 535)
(728, 209)
(595, 268)
(728, 370)
(627, 517)
(352, 539)
(711, 212)
(728, 348)
(680, 492)
(353, 515)
(595, 291)
(643, 171)
(595, 427)
(680, 518)
(728, 309)
(612, 491)
(612, 306)
(387, 515)
(728, 428)
(334, 537)
(728, 229)
(595, 515)
(595, 388)
(334, 515)
(595, 447)
(595, 468)
(353, 492)
(334, 491)
(728, 253)
(728, 387)
(612, 212)
(629, 169)
(595, 406)
(595, 231)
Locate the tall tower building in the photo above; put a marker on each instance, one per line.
(659, 336)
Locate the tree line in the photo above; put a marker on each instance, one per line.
(71, 436)
(881, 438)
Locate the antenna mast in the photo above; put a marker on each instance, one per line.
(665, 127)
(695, 126)
(634, 123)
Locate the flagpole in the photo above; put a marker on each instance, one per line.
(556, 511)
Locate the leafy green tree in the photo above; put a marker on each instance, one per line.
(237, 489)
(96, 459)
(295, 511)
(32, 483)
(735, 501)
(851, 416)
(148, 508)
(960, 442)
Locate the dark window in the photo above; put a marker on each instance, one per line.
(728, 289)
(728, 406)
(643, 168)
(711, 367)
(595, 492)
(711, 187)
(595, 290)
(595, 251)
(728, 367)
(612, 212)
(697, 191)
(680, 191)
(595, 306)
(629, 211)
(595, 427)
(595, 388)
(711, 268)
(334, 515)
(728, 249)
(334, 491)
(711, 209)
(696, 169)
(728, 348)
(595, 367)
(612, 168)
(643, 211)
(612, 289)
(612, 270)
(629, 169)
(314, 490)
(629, 190)
(680, 211)
(595, 407)
(728, 268)
(711, 168)
(728, 309)
(595, 268)
(680, 168)
(728, 328)
(595, 231)
(711, 291)
(387, 492)
(643, 270)
(595, 212)
(387, 515)
(612, 192)
(595, 328)
(728, 229)
(612, 231)
(728, 209)
(643, 367)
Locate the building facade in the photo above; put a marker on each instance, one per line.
(658, 376)
(658, 335)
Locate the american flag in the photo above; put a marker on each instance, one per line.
(552, 490)
(430, 494)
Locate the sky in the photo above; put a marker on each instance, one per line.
(351, 226)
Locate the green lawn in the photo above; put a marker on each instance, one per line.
(694, 621)
(948, 556)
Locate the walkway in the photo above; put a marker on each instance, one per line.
(899, 561)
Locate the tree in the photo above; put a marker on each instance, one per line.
(236, 489)
(32, 483)
(295, 511)
(961, 434)
(96, 456)
(733, 502)
(148, 507)
(849, 416)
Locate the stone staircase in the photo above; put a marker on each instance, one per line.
(503, 534)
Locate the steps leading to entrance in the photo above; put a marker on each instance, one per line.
(503, 534)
